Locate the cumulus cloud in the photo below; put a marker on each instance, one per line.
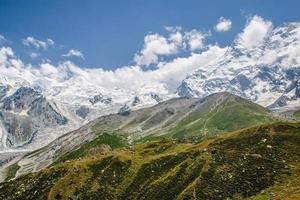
(156, 45)
(168, 74)
(166, 77)
(38, 44)
(254, 33)
(195, 39)
(223, 25)
(74, 53)
(48, 70)
(173, 72)
(11, 67)
(5, 53)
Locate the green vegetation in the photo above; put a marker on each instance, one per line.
(11, 171)
(262, 162)
(233, 114)
(102, 143)
(297, 114)
(188, 119)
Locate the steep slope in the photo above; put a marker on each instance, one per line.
(226, 113)
(78, 94)
(24, 114)
(215, 113)
(262, 73)
(220, 167)
(184, 118)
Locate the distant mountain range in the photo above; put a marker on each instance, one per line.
(190, 119)
(38, 105)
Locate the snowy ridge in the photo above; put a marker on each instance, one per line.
(264, 73)
(65, 90)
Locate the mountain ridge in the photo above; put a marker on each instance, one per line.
(159, 120)
(255, 73)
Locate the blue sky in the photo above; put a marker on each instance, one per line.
(109, 33)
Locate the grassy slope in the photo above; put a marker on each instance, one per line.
(297, 114)
(215, 114)
(257, 163)
(11, 171)
(114, 141)
(233, 114)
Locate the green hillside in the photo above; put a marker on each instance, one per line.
(188, 119)
(232, 113)
(297, 114)
(262, 162)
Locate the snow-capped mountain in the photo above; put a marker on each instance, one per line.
(38, 105)
(267, 73)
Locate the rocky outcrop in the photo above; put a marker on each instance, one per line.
(100, 98)
(82, 112)
(124, 110)
(26, 113)
(136, 101)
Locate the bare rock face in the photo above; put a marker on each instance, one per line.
(20, 100)
(82, 112)
(124, 110)
(25, 113)
(136, 101)
(156, 97)
(100, 98)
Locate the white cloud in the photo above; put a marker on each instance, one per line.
(3, 40)
(176, 37)
(293, 56)
(269, 57)
(48, 70)
(5, 53)
(38, 44)
(8, 59)
(254, 33)
(173, 72)
(195, 39)
(34, 55)
(11, 66)
(173, 28)
(156, 45)
(166, 77)
(223, 25)
(74, 53)
(168, 74)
